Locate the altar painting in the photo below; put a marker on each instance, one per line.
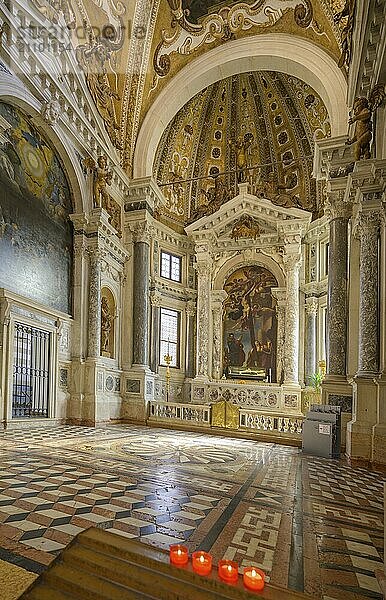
(249, 321)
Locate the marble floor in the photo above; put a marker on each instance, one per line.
(313, 524)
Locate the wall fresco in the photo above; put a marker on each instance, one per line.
(35, 230)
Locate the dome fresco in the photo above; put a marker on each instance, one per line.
(266, 120)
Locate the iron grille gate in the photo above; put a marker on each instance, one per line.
(31, 372)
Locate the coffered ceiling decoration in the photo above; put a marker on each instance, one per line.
(262, 118)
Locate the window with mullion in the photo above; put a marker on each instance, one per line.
(171, 266)
(169, 336)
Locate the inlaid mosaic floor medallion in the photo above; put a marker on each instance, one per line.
(313, 524)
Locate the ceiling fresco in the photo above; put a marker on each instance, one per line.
(266, 120)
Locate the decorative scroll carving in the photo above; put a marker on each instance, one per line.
(51, 111)
(187, 37)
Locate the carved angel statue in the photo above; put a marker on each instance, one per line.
(362, 116)
(102, 176)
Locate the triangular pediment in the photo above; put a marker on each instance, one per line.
(247, 216)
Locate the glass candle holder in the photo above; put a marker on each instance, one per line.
(201, 562)
(228, 571)
(178, 554)
(253, 578)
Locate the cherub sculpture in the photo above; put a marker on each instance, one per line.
(363, 132)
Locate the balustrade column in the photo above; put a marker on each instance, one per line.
(337, 290)
(203, 290)
(310, 346)
(94, 304)
(141, 303)
(190, 339)
(291, 367)
(217, 300)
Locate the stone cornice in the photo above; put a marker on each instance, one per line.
(332, 158)
(98, 234)
(145, 190)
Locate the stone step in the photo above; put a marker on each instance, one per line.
(99, 565)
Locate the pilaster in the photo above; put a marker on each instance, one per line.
(218, 298)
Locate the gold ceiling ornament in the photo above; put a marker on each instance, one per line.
(94, 58)
(277, 115)
(186, 38)
(246, 227)
(53, 9)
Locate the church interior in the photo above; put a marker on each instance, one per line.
(193, 259)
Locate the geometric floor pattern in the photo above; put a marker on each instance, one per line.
(312, 524)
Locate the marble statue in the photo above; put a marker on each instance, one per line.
(106, 325)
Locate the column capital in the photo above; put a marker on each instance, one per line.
(312, 306)
(218, 297)
(156, 299)
(368, 223)
(292, 261)
(191, 308)
(336, 205)
(280, 295)
(203, 267)
(141, 232)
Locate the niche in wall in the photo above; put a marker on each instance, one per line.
(35, 229)
(107, 323)
(249, 321)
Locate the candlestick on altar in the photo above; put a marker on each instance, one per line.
(168, 359)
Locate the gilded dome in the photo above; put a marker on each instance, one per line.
(266, 120)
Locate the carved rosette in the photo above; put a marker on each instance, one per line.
(368, 229)
(203, 269)
(291, 367)
(94, 301)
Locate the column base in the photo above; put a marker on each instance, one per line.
(338, 392)
(378, 451)
(138, 391)
(359, 441)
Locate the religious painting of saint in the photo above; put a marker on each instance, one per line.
(249, 321)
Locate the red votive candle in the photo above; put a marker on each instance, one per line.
(201, 562)
(228, 571)
(178, 554)
(253, 578)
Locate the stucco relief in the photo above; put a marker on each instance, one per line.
(94, 316)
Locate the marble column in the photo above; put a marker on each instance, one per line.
(218, 298)
(311, 307)
(366, 389)
(369, 229)
(155, 300)
(280, 295)
(141, 267)
(190, 365)
(203, 269)
(94, 304)
(337, 292)
(291, 358)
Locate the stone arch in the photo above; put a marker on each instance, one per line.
(279, 52)
(237, 262)
(13, 92)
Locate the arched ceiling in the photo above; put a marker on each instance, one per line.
(262, 118)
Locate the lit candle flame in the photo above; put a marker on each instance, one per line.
(179, 552)
(202, 559)
(253, 573)
(229, 568)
